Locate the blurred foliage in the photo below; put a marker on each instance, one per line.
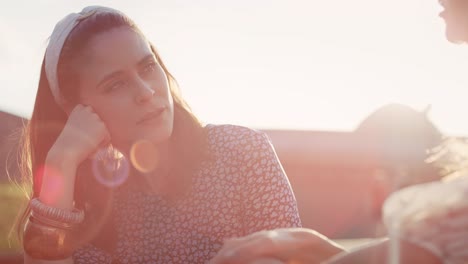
(12, 201)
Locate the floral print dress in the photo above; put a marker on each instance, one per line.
(240, 190)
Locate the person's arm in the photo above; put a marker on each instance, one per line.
(58, 168)
(82, 134)
(305, 246)
(288, 245)
(385, 252)
(267, 197)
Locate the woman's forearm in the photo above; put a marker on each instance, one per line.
(58, 181)
(380, 252)
(57, 191)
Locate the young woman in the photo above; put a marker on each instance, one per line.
(122, 170)
(428, 223)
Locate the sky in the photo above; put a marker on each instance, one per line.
(270, 64)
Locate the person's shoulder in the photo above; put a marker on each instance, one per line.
(229, 132)
(230, 129)
(234, 136)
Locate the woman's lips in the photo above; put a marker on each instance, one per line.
(151, 116)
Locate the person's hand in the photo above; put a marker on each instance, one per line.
(289, 245)
(83, 134)
(265, 261)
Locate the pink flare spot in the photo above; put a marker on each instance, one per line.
(52, 184)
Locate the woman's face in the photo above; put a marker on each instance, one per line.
(455, 14)
(122, 81)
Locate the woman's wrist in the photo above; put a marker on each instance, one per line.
(61, 158)
(58, 179)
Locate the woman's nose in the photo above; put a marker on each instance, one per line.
(144, 92)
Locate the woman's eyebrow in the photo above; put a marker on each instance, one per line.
(108, 77)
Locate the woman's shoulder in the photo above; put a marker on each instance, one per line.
(229, 132)
(234, 136)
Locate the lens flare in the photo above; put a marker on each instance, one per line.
(53, 190)
(110, 167)
(144, 156)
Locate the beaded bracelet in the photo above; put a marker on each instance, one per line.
(44, 242)
(74, 216)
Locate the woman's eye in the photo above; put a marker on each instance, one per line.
(115, 86)
(150, 67)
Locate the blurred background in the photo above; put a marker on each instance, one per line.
(353, 94)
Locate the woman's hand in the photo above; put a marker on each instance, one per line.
(82, 135)
(290, 245)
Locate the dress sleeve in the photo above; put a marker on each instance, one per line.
(91, 254)
(268, 199)
(433, 216)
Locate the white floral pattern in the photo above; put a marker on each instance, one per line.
(242, 189)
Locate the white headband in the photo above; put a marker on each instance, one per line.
(57, 39)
